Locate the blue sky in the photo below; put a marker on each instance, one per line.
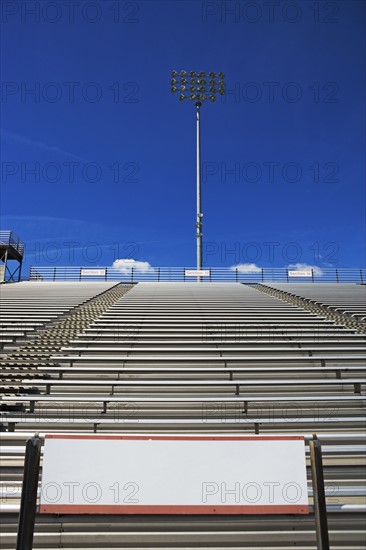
(98, 163)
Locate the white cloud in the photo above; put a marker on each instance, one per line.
(124, 266)
(246, 268)
(301, 267)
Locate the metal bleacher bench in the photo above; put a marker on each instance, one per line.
(71, 359)
(238, 348)
(338, 370)
(245, 400)
(190, 423)
(48, 383)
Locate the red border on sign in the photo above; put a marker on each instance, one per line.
(182, 438)
(169, 510)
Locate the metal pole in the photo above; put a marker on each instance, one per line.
(28, 503)
(199, 205)
(320, 509)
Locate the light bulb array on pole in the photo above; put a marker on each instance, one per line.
(198, 87)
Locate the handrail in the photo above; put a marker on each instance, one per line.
(179, 274)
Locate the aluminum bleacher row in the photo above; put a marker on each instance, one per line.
(212, 358)
(29, 305)
(346, 298)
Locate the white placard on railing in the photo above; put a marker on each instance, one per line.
(197, 272)
(92, 272)
(174, 475)
(300, 273)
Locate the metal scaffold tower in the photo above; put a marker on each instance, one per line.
(11, 250)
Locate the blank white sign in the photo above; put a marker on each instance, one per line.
(174, 475)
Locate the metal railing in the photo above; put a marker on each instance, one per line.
(179, 274)
(9, 238)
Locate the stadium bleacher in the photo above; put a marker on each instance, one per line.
(210, 358)
(348, 299)
(29, 305)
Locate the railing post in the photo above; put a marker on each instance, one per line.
(80, 274)
(158, 274)
(54, 273)
(236, 274)
(312, 275)
(184, 273)
(320, 509)
(337, 278)
(28, 503)
(286, 274)
(361, 276)
(262, 275)
(30, 272)
(131, 274)
(106, 274)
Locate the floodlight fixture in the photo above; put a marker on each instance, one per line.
(195, 86)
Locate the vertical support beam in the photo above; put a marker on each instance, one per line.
(5, 260)
(28, 504)
(320, 510)
(20, 270)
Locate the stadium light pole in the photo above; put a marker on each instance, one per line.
(198, 87)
